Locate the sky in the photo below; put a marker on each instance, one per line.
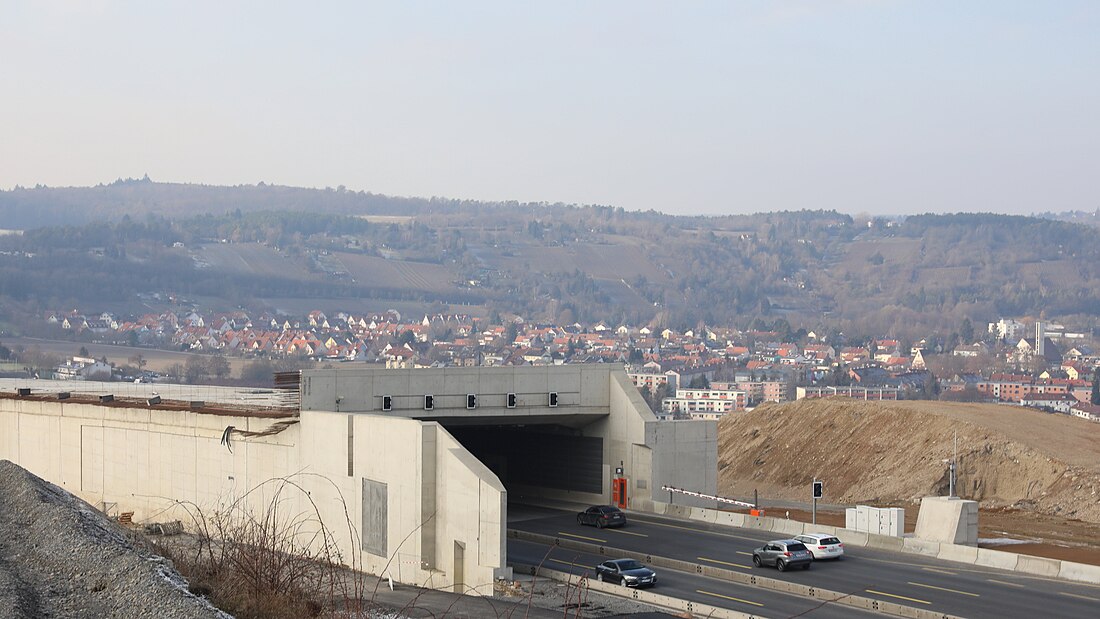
(882, 107)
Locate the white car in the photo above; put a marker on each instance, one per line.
(822, 545)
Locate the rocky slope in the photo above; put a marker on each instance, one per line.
(894, 452)
(59, 557)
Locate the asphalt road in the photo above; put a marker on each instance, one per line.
(689, 586)
(912, 580)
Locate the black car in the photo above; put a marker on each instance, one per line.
(601, 516)
(626, 572)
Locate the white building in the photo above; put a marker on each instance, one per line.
(709, 404)
(1006, 329)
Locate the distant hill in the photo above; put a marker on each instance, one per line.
(249, 244)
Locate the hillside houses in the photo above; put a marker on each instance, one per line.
(763, 366)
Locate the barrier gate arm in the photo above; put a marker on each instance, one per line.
(709, 497)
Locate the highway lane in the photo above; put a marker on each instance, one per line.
(692, 587)
(913, 580)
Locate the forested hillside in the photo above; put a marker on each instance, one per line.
(131, 240)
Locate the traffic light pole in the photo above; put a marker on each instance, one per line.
(815, 500)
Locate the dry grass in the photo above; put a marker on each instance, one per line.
(272, 563)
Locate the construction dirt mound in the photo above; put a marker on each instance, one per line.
(59, 557)
(893, 452)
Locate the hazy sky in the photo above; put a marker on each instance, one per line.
(874, 106)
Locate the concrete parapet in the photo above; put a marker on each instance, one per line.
(760, 523)
(1079, 572)
(997, 558)
(855, 538)
(961, 554)
(821, 528)
(920, 546)
(885, 542)
(1038, 565)
(731, 519)
(786, 527)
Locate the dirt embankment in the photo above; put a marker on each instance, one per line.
(894, 452)
(59, 557)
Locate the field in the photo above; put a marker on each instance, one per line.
(1051, 273)
(942, 277)
(892, 250)
(599, 261)
(156, 360)
(381, 273)
(251, 259)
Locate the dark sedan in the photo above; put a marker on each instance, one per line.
(601, 516)
(626, 572)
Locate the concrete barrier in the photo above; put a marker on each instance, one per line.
(788, 528)
(819, 528)
(759, 523)
(885, 542)
(855, 538)
(920, 546)
(997, 558)
(1038, 565)
(1079, 572)
(960, 554)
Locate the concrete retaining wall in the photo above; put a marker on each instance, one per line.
(439, 504)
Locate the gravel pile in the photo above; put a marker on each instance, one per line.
(59, 557)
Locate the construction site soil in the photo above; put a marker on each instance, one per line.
(1035, 475)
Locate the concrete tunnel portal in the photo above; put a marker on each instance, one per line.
(530, 457)
(444, 451)
(559, 434)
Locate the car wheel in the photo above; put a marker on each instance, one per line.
(781, 566)
(579, 519)
(599, 524)
(599, 576)
(756, 560)
(807, 566)
(622, 581)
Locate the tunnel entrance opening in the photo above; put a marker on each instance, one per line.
(547, 456)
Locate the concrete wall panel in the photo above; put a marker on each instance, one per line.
(91, 460)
